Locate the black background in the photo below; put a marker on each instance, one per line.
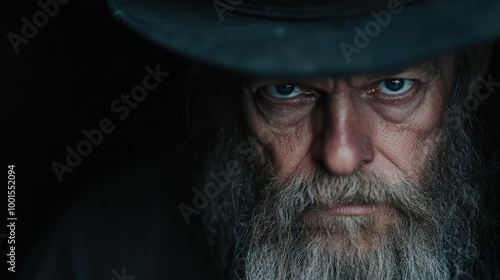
(63, 81)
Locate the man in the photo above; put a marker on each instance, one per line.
(370, 177)
(341, 130)
(366, 177)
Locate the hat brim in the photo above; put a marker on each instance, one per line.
(423, 30)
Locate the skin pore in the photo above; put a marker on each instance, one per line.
(352, 124)
(345, 124)
(357, 178)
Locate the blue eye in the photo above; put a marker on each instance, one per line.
(395, 86)
(283, 90)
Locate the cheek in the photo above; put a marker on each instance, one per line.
(402, 145)
(285, 134)
(285, 147)
(405, 148)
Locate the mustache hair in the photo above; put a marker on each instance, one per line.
(431, 233)
(288, 241)
(293, 207)
(260, 223)
(261, 228)
(323, 190)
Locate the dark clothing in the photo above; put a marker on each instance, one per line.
(130, 226)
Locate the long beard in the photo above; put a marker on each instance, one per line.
(270, 229)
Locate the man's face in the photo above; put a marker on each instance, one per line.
(381, 124)
(358, 178)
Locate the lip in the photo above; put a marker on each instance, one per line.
(351, 210)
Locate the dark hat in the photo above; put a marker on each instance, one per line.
(313, 37)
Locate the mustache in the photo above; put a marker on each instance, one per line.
(321, 190)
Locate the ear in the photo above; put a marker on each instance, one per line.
(479, 59)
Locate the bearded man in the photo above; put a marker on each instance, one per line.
(344, 130)
(365, 177)
(368, 177)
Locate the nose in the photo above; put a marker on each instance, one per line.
(343, 144)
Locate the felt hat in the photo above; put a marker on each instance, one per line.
(313, 37)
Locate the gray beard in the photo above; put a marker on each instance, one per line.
(265, 229)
